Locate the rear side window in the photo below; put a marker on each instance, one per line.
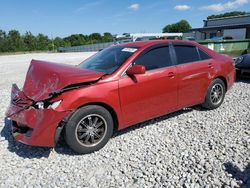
(203, 55)
(186, 54)
(155, 58)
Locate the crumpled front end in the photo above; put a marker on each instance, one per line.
(35, 112)
(31, 124)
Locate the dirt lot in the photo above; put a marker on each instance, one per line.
(189, 148)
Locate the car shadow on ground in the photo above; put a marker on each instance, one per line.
(63, 149)
(20, 149)
(236, 173)
(155, 120)
(26, 151)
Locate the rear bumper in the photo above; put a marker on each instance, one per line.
(36, 127)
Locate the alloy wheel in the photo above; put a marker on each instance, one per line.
(216, 94)
(91, 130)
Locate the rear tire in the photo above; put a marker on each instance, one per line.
(215, 94)
(89, 129)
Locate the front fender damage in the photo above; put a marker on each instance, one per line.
(36, 124)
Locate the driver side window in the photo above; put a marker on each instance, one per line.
(156, 58)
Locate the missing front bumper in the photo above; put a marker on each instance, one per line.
(33, 126)
(37, 127)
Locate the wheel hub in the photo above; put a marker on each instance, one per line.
(91, 130)
(215, 94)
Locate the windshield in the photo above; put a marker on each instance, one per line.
(109, 59)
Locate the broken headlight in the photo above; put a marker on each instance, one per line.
(48, 105)
(54, 105)
(39, 105)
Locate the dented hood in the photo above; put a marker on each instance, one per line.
(44, 78)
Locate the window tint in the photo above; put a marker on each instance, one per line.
(186, 54)
(155, 58)
(203, 55)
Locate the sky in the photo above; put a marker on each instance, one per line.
(65, 17)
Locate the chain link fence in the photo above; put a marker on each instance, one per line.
(85, 48)
(230, 47)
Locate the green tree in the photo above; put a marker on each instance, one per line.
(15, 41)
(30, 41)
(75, 40)
(3, 40)
(95, 37)
(228, 14)
(59, 42)
(179, 27)
(42, 42)
(107, 37)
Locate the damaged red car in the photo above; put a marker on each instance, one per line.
(118, 87)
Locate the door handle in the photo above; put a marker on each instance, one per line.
(171, 74)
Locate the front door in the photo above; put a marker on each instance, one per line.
(151, 94)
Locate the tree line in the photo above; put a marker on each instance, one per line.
(13, 41)
(228, 14)
(179, 27)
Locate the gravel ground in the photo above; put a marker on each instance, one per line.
(188, 148)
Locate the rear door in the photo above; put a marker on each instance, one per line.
(151, 94)
(193, 69)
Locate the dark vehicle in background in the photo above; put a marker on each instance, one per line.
(242, 64)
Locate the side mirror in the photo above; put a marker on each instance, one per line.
(136, 69)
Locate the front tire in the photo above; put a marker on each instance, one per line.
(89, 129)
(215, 94)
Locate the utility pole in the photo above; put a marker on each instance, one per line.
(53, 46)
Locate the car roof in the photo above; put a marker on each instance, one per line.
(140, 44)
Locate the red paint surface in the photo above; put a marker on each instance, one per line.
(136, 69)
(43, 78)
(133, 99)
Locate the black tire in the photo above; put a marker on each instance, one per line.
(210, 101)
(238, 74)
(78, 131)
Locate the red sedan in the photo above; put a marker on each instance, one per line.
(116, 88)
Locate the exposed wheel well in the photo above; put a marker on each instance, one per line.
(61, 127)
(224, 80)
(109, 108)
